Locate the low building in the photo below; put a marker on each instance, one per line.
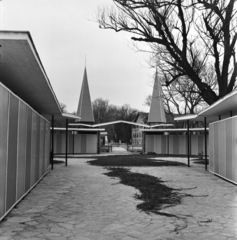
(27, 102)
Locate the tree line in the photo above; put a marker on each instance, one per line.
(106, 112)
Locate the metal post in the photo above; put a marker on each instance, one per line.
(73, 133)
(98, 142)
(219, 117)
(144, 142)
(66, 141)
(205, 124)
(52, 148)
(188, 143)
(168, 147)
(231, 113)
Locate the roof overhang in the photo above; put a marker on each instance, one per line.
(174, 130)
(223, 106)
(161, 125)
(21, 71)
(121, 121)
(81, 129)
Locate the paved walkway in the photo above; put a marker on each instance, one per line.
(120, 151)
(79, 202)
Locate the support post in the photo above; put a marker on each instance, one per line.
(205, 137)
(98, 142)
(188, 143)
(144, 142)
(231, 113)
(73, 133)
(66, 142)
(219, 117)
(52, 147)
(168, 143)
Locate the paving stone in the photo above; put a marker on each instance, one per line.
(78, 202)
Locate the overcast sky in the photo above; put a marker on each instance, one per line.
(64, 33)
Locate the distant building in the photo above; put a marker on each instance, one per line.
(142, 118)
(136, 134)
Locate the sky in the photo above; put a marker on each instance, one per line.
(67, 38)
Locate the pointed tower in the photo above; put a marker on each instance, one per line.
(84, 109)
(157, 113)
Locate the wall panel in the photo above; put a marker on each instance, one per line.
(182, 144)
(41, 147)
(175, 144)
(37, 164)
(91, 143)
(164, 144)
(33, 148)
(200, 144)
(171, 149)
(22, 144)
(157, 144)
(194, 144)
(12, 151)
(47, 146)
(70, 143)
(229, 146)
(149, 143)
(21, 156)
(234, 149)
(77, 143)
(58, 142)
(63, 142)
(211, 147)
(216, 144)
(4, 106)
(223, 148)
(28, 149)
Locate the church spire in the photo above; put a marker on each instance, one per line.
(157, 113)
(84, 109)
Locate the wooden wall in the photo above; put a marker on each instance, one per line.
(24, 148)
(77, 143)
(223, 148)
(174, 144)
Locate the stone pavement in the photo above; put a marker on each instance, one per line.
(120, 151)
(79, 202)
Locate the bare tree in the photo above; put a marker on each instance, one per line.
(63, 107)
(186, 36)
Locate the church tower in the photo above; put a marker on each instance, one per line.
(84, 109)
(157, 113)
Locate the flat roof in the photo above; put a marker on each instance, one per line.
(224, 107)
(121, 121)
(174, 130)
(80, 129)
(195, 117)
(22, 71)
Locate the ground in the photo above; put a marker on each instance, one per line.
(80, 202)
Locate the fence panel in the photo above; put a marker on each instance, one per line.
(4, 107)
(23, 146)
(223, 148)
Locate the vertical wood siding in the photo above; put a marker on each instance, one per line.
(24, 149)
(223, 148)
(83, 143)
(174, 144)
